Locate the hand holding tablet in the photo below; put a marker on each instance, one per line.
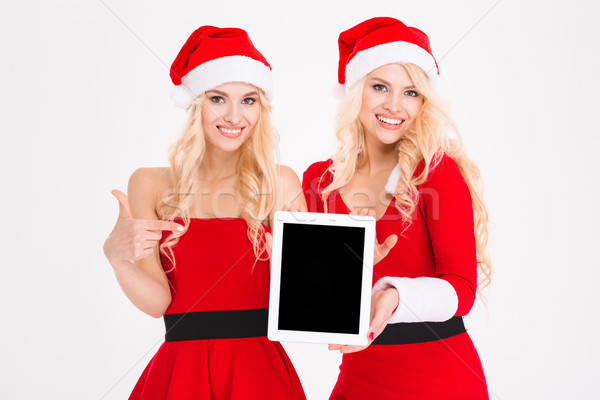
(383, 304)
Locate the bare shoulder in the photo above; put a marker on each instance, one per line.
(150, 180)
(152, 175)
(287, 174)
(290, 190)
(145, 189)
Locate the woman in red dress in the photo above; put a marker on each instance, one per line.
(397, 157)
(189, 243)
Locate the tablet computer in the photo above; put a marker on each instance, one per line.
(321, 278)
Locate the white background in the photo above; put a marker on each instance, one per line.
(84, 92)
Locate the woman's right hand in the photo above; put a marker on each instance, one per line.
(133, 239)
(383, 304)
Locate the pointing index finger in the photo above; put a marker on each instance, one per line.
(160, 225)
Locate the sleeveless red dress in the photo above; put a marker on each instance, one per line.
(216, 271)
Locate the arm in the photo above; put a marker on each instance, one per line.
(448, 212)
(132, 246)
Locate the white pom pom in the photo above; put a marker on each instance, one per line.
(338, 91)
(182, 96)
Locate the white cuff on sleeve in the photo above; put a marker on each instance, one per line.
(421, 299)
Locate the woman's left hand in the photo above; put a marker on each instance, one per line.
(381, 250)
(383, 304)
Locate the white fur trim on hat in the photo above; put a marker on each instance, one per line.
(421, 299)
(393, 52)
(221, 70)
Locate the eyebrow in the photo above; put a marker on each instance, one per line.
(253, 93)
(389, 84)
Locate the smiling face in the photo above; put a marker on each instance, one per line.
(390, 104)
(229, 115)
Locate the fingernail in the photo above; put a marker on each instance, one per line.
(180, 228)
(371, 334)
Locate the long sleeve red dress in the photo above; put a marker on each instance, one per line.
(424, 352)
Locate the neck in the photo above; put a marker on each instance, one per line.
(218, 165)
(380, 156)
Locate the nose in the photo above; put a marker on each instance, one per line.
(393, 103)
(233, 116)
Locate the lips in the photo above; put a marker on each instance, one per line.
(230, 131)
(395, 122)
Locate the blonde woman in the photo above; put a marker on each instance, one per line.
(189, 243)
(398, 158)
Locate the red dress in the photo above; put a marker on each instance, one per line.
(440, 243)
(215, 271)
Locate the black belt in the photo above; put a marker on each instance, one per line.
(419, 332)
(230, 324)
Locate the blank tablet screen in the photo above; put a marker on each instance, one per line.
(321, 277)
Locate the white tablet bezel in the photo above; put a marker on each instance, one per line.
(366, 222)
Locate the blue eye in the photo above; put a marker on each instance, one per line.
(380, 88)
(248, 101)
(411, 93)
(217, 99)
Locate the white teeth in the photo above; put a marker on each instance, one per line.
(389, 120)
(231, 131)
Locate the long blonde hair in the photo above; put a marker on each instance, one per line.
(429, 138)
(256, 182)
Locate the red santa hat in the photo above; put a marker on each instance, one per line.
(212, 56)
(380, 41)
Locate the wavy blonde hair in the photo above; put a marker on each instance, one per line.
(432, 134)
(256, 181)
